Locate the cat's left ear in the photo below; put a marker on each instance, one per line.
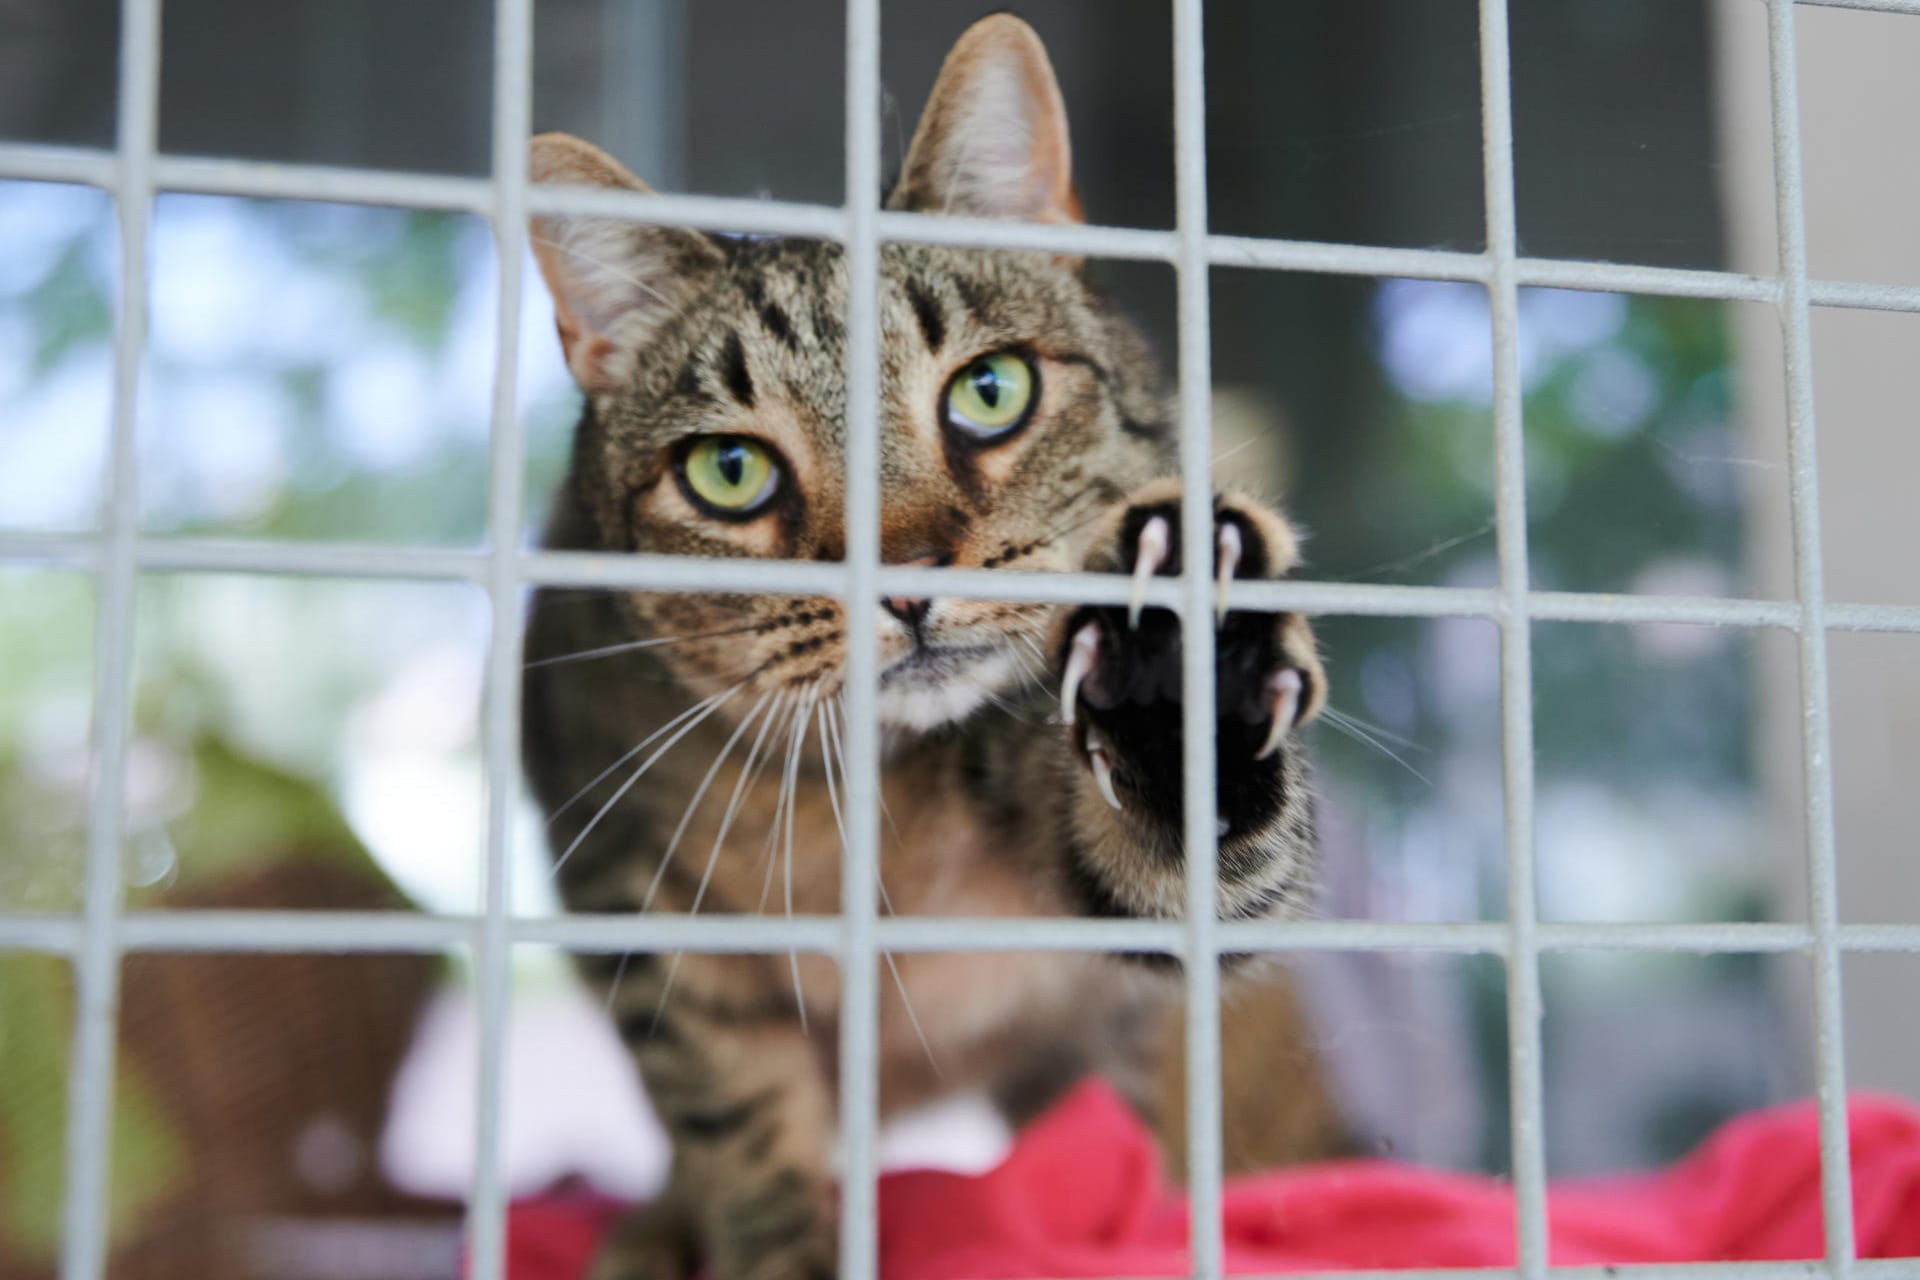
(613, 283)
(992, 142)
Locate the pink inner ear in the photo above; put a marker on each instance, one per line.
(993, 141)
(1049, 152)
(1008, 153)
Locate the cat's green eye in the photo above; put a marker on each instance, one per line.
(992, 396)
(731, 476)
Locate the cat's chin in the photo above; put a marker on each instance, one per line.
(924, 700)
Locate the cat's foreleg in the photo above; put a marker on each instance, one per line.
(1119, 671)
(746, 1104)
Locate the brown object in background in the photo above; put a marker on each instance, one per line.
(274, 1072)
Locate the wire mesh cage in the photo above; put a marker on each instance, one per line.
(97, 939)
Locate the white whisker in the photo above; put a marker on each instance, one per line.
(1229, 452)
(1033, 647)
(830, 758)
(630, 646)
(639, 773)
(1336, 721)
(993, 696)
(833, 792)
(607, 772)
(619, 972)
(793, 769)
(749, 774)
(899, 984)
(1378, 731)
(834, 708)
(686, 816)
(740, 785)
(666, 989)
(771, 858)
(1439, 548)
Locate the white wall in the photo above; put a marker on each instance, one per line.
(1859, 97)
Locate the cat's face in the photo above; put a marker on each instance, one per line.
(1014, 408)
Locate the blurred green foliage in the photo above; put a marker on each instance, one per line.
(1405, 493)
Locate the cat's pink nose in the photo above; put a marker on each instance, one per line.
(912, 610)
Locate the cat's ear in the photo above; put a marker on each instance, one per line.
(613, 282)
(992, 142)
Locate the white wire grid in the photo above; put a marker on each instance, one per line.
(98, 937)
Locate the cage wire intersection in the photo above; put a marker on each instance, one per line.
(98, 936)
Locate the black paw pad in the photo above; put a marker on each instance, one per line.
(1122, 691)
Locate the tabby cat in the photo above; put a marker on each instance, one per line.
(1031, 755)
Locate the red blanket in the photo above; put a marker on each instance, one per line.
(1081, 1195)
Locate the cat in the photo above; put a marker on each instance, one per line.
(1031, 753)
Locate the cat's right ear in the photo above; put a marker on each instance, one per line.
(613, 282)
(992, 142)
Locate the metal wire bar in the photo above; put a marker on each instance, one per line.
(48, 934)
(1199, 837)
(85, 166)
(52, 550)
(1871, 617)
(96, 937)
(1345, 259)
(1874, 937)
(687, 573)
(709, 213)
(1830, 1072)
(1866, 297)
(266, 180)
(1673, 282)
(1030, 237)
(493, 947)
(1872, 6)
(400, 931)
(322, 559)
(1570, 606)
(90, 1088)
(1516, 650)
(860, 855)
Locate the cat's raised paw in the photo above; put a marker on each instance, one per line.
(1121, 688)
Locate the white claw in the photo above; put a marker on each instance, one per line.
(1224, 563)
(1150, 554)
(1080, 661)
(1102, 766)
(1283, 695)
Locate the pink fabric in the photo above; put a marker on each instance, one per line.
(1081, 1194)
